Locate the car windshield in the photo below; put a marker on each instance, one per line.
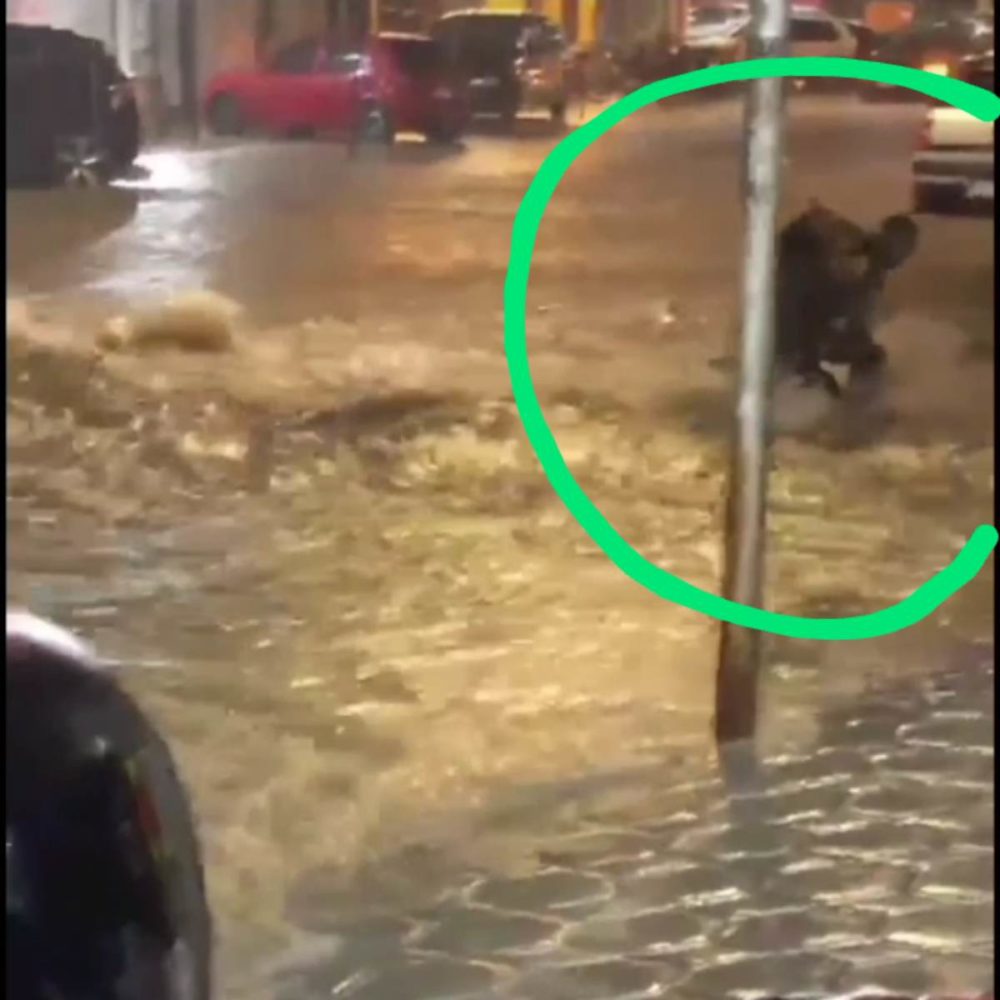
(483, 43)
(417, 58)
(483, 31)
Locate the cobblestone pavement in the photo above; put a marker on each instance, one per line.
(863, 869)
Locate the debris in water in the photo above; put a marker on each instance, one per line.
(196, 321)
(666, 315)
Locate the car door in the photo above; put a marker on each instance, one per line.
(408, 71)
(280, 96)
(815, 36)
(329, 94)
(847, 44)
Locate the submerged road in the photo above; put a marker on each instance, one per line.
(403, 670)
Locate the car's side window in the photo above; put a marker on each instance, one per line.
(340, 63)
(541, 40)
(812, 30)
(299, 59)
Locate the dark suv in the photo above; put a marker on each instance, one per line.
(70, 109)
(511, 62)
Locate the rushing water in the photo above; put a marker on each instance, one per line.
(328, 561)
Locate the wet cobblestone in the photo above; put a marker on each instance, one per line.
(552, 890)
(838, 873)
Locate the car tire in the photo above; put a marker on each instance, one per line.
(443, 135)
(226, 116)
(510, 108)
(557, 112)
(929, 199)
(125, 141)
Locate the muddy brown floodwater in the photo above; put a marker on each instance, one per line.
(325, 557)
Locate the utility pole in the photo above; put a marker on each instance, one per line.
(746, 504)
(187, 47)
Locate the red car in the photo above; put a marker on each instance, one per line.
(394, 83)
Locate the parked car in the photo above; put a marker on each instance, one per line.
(953, 162)
(513, 62)
(394, 83)
(811, 32)
(71, 113)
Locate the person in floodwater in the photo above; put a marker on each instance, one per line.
(105, 892)
(831, 275)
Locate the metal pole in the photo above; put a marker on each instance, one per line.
(187, 46)
(746, 507)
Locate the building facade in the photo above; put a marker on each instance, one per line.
(172, 47)
(580, 20)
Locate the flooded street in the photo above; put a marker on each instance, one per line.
(328, 562)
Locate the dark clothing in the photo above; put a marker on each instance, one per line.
(830, 276)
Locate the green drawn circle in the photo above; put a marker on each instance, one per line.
(978, 102)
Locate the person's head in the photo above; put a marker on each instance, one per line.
(849, 252)
(894, 243)
(105, 890)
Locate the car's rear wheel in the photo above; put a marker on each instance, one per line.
(557, 112)
(930, 199)
(226, 116)
(443, 135)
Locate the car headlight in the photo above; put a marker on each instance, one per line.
(937, 68)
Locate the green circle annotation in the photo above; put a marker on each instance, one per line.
(976, 101)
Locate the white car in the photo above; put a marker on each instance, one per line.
(811, 32)
(816, 33)
(953, 162)
(717, 23)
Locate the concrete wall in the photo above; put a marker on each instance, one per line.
(227, 32)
